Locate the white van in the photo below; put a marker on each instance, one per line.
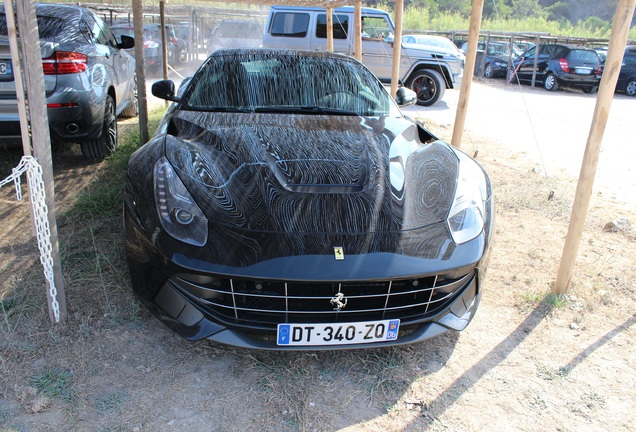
(428, 73)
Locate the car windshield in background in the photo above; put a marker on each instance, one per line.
(577, 55)
(255, 82)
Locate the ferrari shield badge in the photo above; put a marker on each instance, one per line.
(338, 253)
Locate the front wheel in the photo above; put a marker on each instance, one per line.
(630, 88)
(106, 144)
(428, 85)
(488, 72)
(551, 83)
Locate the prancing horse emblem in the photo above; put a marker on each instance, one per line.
(338, 253)
(338, 302)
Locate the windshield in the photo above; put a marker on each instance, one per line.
(274, 81)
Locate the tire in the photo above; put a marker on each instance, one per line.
(630, 88)
(106, 144)
(132, 110)
(551, 83)
(488, 73)
(429, 86)
(183, 56)
(589, 90)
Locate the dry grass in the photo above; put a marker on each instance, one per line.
(529, 358)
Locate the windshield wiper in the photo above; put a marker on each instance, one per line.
(305, 110)
(218, 109)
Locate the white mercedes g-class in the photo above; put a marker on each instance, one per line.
(425, 71)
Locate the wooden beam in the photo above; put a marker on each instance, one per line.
(618, 40)
(330, 29)
(357, 26)
(41, 140)
(469, 68)
(140, 70)
(397, 46)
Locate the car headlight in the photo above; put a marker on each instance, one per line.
(179, 215)
(466, 217)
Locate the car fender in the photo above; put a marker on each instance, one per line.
(440, 66)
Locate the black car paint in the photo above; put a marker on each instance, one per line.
(279, 192)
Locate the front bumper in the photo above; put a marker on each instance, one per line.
(199, 301)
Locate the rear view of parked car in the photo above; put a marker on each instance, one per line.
(89, 79)
(560, 65)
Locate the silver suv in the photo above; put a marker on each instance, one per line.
(89, 79)
(427, 72)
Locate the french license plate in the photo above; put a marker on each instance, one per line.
(583, 71)
(5, 68)
(337, 334)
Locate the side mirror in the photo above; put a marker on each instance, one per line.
(127, 42)
(405, 97)
(164, 89)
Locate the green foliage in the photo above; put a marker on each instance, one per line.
(53, 382)
(512, 16)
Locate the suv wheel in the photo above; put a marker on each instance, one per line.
(428, 85)
(551, 83)
(630, 88)
(488, 73)
(107, 143)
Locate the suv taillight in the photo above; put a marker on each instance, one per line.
(64, 62)
(563, 63)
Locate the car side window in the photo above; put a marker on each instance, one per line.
(105, 34)
(340, 26)
(375, 27)
(96, 32)
(289, 24)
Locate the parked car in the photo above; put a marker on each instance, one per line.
(422, 70)
(440, 44)
(285, 202)
(496, 57)
(235, 33)
(89, 79)
(177, 47)
(560, 65)
(627, 77)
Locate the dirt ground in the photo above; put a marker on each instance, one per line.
(528, 361)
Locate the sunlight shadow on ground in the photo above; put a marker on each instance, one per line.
(495, 357)
(599, 343)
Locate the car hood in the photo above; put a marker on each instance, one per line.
(312, 173)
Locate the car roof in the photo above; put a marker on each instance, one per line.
(348, 9)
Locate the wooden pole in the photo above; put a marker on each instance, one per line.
(164, 45)
(41, 140)
(467, 80)
(618, 40)
(140, 70)
(397, 46)
(330, 29)
(357, 35)
(17, 76)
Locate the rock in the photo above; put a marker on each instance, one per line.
(574, 326)
(617, 225)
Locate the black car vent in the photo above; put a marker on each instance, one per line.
(264, 304)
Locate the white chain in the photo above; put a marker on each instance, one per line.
(29, 165)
